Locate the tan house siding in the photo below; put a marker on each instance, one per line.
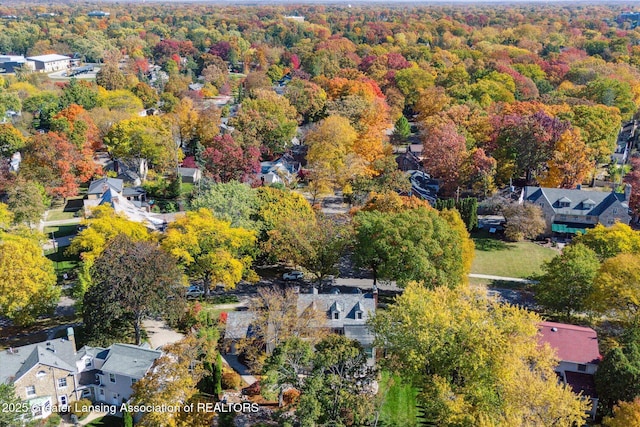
(47, 384)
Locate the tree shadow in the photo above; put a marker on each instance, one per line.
(488, 245)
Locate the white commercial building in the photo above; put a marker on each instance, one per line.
(50, 63)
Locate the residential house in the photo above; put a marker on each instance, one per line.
(190, 175)
(52, 373)
(125, 201)
(574, 211)
(283, 171)
(626, 138)
(577, 349)
(345, 314)
(50, 63)
(423, 186)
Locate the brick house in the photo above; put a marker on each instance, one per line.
(574, 211)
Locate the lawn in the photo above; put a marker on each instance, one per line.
(63, 262)
(107, 421)
(61, 230)
(399, 405)
(186, 188)
(60, 214)
(499, 258)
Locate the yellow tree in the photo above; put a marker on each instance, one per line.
(611, 241)
(101, 227)
(625, 414)
(570, 163)
(476, 361)
(329, 143)
(210, 249)
(28, 282)
(185, 121)
(616, 289)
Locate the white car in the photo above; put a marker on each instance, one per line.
(293, 275)
(194, 292)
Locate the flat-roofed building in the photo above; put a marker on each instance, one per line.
(50, 63)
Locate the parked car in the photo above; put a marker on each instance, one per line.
(194, 291)
(293, 275)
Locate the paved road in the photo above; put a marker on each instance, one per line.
(502, 278)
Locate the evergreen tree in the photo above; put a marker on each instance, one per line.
(402, 131)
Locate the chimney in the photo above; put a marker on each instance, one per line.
(375, 295)
(71, 337)
(627, 192)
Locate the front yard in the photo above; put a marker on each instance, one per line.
(499, 258)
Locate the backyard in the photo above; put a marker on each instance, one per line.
(399, 404)
(508, 259)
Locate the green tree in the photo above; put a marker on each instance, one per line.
(79, 92)
(618, 375)
(229, 201)
(8, 399)
(307, 98)
(285, 366)
(465, 371)
(28, 282)
(567, 282)
(210, 249)
(401, 131)
(11, 140)
(110, 77)
(27, 200)
(414, 244)
(611, 92)
(131, 280)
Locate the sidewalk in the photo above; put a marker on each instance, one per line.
(233, 362)
(504, 279)
(92, 416)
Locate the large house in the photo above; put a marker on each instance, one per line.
(574, 211)
(345, 314)
(52, 373)
(577, 349)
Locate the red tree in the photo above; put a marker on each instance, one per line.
(444, 153)
(225, 160)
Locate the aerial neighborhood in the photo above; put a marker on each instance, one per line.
(321, 214)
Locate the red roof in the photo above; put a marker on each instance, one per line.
(572, 343)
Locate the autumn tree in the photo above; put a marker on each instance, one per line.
(307, 98)
(610, 241)
(231, 201)
(428, 336)
(413, 244)
(524, 221)
(11, 140)
(624, 414)
(28, 282)
(278, 207)
(110, 77)
(210, 249)
(27, 200)
(58, 164)
(315, 245)
(147, 140)
(285, 366)
(599, 126)
(616, 289)
(226, 160)
(444, 154)
(131, 280)
(567, 282)
(171, 380)
(147, 94)
(266, 120)
(569, 164)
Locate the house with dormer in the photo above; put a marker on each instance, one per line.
(344, 314)
(574, 211)
(52, 374)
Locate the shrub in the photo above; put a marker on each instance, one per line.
(53, 420)
(76, 408)
(231, 380)
(252, 390)
(290, 397)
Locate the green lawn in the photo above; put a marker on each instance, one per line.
(61, 230)
(500, 258)
(62, 262)
(59, 214)
(399, 405)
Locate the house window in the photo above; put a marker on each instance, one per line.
(101, 392)
(609, 222)
(41, 374)
(336, 315)
(112, 378)
(133, 381)
(582, 368)
(87, 362)
(31, 390)
(62, 382)
(541, 205)
(359, 315)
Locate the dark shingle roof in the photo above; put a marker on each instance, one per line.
(58, 353)
(98, 186)
(129, 360)
(601, 200)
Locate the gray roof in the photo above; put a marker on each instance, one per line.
(98, 186)
(345, 304)
(129, 360)
(360, 333)
(578, 199)
(188, 171)
(15, 362)
(238, 324)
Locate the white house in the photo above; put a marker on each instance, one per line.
(50, 63)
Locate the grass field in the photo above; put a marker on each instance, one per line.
(59, 214)
(108, 421)
(399, 406)
(500, 258)
(61, 230)
(62, 262)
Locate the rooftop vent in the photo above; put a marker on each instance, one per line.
(554, 329)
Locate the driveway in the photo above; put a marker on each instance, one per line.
(235, 364)
(159, 334)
